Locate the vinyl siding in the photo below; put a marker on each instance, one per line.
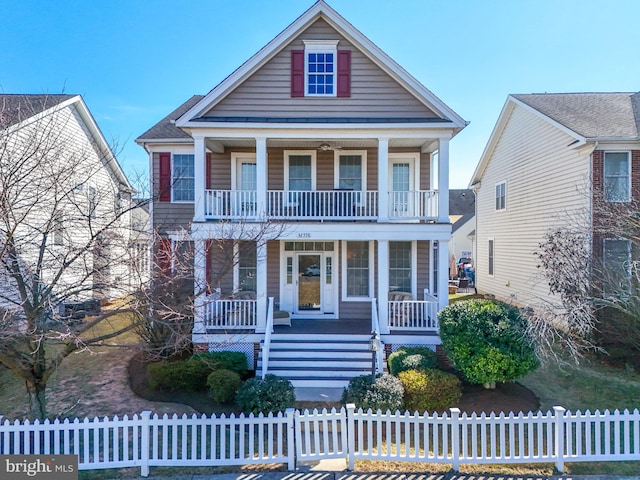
(267, 92)
(547, 185)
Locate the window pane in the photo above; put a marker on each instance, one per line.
(350, 171)
(183, 178)
(616, 177)
(357, 269)
(490, 257)
(248, 179)
(300, 172)
(320, 63)
(617, 262)
(400, 266)
(247, 261)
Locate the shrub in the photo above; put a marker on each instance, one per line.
(386, 393)
(223, 385)
(486, 341)
(190, 374)
(273, 394)
(429, 390)
(411, 358)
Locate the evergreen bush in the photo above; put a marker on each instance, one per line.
(411, 358)
(429, 390)
(223, 385)
(386, 393)
(273, 394)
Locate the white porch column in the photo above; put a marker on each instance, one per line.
(199, 285)
(443, 180)
(383, 180)
(200, 171)
(261, 286)
(443, 274)
(261, 176)
(383, 284)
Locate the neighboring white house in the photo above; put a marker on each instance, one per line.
(462, 213)
(545, 157)
(323, 133)
(65, 202)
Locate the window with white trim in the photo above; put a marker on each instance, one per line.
(183, 178)
(490, 257)
(617, 177)
(501, 196)
(247, 265)
(320, 65)
(400, 267)
(358, 272)
(616, 255)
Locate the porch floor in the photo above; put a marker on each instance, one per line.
(336, 326)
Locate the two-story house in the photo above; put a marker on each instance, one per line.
(549, 161)
(330, 143)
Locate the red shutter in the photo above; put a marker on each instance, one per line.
(163, 258)
(164, 185)
(297, 73)
(344, 73)
(208, 173)
(209, 264)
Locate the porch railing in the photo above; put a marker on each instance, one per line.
(420, 315)
(230, 314)
(417, 204)
(320, 205)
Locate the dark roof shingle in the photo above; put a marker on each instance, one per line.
(591, 115)
(166, 128)
(15, 108)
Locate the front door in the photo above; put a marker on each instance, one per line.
(309, 283)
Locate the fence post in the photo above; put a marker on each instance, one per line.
(351, 436)
(291, 446)
(144, 443)
(455, 438)
(559, 450)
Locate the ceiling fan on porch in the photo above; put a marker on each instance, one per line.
(325, 146)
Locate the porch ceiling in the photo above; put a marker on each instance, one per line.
(352, 144)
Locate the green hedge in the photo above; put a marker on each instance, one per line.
(429, 390)
(486, 341)
(223, 385)
(273, 394)
(411, 358)
(386, 393)
(190, 375)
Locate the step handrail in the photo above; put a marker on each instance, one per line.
(266, 346)
(375, 336)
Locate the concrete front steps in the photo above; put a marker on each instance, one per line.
(318, 361)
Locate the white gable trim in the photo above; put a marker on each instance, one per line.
(509, 105)
(321, 10)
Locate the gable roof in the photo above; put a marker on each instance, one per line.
(166, 128)
(584, 116)
(461, 201)
(591, 115)
(321, 10)
(16, 108)
(19, 108)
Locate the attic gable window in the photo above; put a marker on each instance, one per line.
(320, 70)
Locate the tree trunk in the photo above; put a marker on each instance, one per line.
(36, 389)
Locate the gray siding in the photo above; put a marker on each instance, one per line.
(267, 92)
(273, 269)
(422, 280)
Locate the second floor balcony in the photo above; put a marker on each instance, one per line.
(320, 205)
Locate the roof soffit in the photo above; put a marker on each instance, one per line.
(322, 10)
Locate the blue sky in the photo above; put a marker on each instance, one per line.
(135, 61)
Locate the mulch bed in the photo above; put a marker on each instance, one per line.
(506, 397)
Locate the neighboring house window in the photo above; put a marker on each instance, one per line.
(400, 269)
(617, 266)
(358, 281)
(617, 177)
(501, 196)
(321, 70)
(491, 257)
(58, 229)
(183, 178)
(247, 266)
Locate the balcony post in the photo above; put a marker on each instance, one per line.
(261, 286)
(443, 274)
(200, 171)
(443, 180)
(383, 285)
(383, 180)
(261, 177)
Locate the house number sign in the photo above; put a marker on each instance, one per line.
(304, 235)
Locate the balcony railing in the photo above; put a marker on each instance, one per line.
(417, 315)
(230, 314)
(320, 205)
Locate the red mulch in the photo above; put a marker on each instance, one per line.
(506, 397)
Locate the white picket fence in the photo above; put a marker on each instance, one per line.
(453, 438)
